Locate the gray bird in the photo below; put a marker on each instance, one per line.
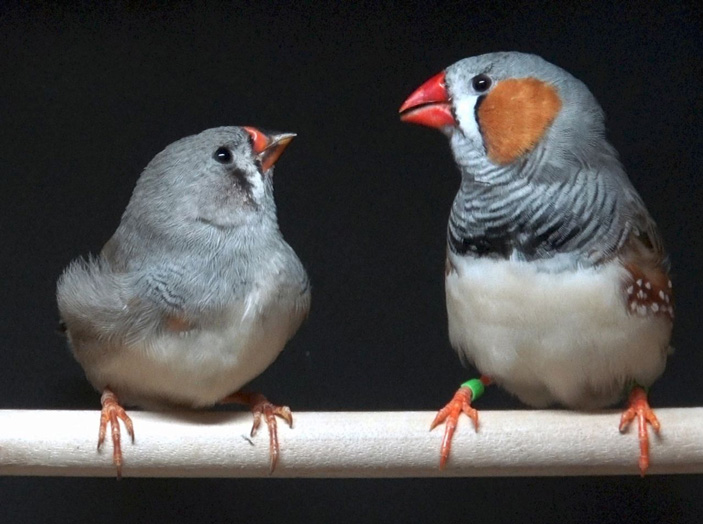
(197, 292)
(557, 283)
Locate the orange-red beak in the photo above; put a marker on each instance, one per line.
(429, 105)
(268, 148)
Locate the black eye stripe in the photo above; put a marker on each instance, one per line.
(240, 179)
(479, 101)
(223, 155)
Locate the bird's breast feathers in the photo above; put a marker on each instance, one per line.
(569, 337)
(198, 365)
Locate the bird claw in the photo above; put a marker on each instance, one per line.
(449, 414)
(270, 412)
(112, 412)
(638, 406)
(261, 408)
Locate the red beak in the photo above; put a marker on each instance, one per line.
(429, 105)
(268, 148)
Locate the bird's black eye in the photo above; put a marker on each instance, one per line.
(223, 155)
(481, 83)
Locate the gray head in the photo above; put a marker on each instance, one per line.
(502, 107)
(539, 180)
(220, 178)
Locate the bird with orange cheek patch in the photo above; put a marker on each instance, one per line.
(556, 283)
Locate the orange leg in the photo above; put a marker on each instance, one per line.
(460, 403)
(639, 407)
(259, 406)
(112, 412)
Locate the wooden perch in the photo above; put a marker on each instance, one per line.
(348, 444)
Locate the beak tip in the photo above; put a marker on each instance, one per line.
(428, 105)
(275, 146)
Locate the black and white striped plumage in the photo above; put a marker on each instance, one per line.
(557, 283)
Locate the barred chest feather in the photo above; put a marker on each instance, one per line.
(574, 337)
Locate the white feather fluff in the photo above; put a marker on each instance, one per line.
(547, 337)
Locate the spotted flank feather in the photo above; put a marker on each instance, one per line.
(646, 296)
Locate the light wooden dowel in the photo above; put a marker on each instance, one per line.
(347, 444)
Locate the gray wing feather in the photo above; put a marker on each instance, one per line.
(95, 300)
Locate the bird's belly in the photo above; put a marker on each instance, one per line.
(195, 368)
(561, 337)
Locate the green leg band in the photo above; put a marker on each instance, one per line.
(476, 387)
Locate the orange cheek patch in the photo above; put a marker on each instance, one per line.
(514, 116)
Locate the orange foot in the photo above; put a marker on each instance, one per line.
(111, 412)
(260, 406)
(461, 403)
(639, 407)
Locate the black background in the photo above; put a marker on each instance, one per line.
(89, 96)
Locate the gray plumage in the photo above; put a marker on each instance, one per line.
(556, 280)
(197, 291)
(568, 201)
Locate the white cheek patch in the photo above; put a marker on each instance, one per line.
(254, 178)
(257, 186)
(466, 116)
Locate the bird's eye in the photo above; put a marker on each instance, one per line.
(223, 155)
(481, 83)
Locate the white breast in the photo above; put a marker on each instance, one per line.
(561, 337)
(200, 367)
